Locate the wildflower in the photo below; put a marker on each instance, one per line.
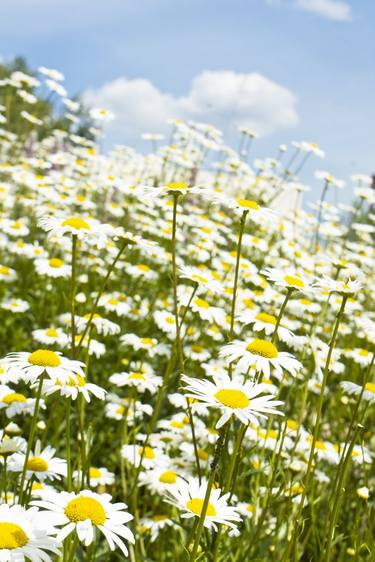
(232, 397)
(24, 536)
(43, 361)
(262, 355)
(84, 513)
(42, 464)
(188, 496)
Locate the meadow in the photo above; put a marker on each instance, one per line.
(187, 349)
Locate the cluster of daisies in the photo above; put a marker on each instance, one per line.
(196, 348)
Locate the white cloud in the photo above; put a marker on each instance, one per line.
(331, 9)
(224, 98)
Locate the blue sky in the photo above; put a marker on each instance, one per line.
(313, 59)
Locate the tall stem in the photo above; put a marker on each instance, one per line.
(236, 272)
(282, 309)
(174, 285)
(206, 500)
(73, 293)
(31, 438)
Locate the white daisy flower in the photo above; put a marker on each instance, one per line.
(83, 513)
(41, 464)
(288, 279)
(84, 228)
(74, 387)
(53, 267)
(32, 365)
(24, 536)
(188, 496)
(51, 336)
(355, 390)
(233, 397)
(262, 355)
(140, 380)
(15, 403)
(102, 325)
(98, 477)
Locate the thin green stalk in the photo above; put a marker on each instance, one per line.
(236, 272)
(206, 500)
(31, 438)
(73, 293)
(68, 445)
(174, 284)
(100, 293)
(280, 315)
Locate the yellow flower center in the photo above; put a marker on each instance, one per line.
(177, 186)
(95, 472)
(370, 387)
(13, 397)
(177, 424)
(263, 348)
(201, 303)
(199, 278)
(12, 536)
(143, 267)
(77, 223)
(4, 270)
(232, 398)
(44, 358)
(113, 301)
(253, 205)
(157, 518)
(266, 318)
(83, 508)
(168, 477)
(137, 376)
(196, 504)
(37, 464)
(148, 453)
(170, 320)
(202, 454)
(55, 262)
(294, 281)
(52, 333)
(148, 341)
(364, 352)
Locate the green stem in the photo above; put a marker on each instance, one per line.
(206, 500)
(282, 309)
(68, 445)
(73, 293)
(100, 293)
(236, 272)
(31, 438)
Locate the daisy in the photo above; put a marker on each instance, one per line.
(202, 277)
(155, 525)
(10, 445)
(98, 477)
(264, 321)
(140, 380)
(188, 496)
(289, 280)
(115, 302)
(15, 305)
(83, 513)
(53, 267)
(242, 205)
(84, 228)
(41, 361)
(261, 355)
(208, 312)
(7, 273)
(51, 336)
(355, 390)
(74, 387)
(348, 287)
(232, 397)
(15, 403)
(102, 325)
(24, 536)
(151, 456)
(41, 464)
(160, 478)
(171, 189)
